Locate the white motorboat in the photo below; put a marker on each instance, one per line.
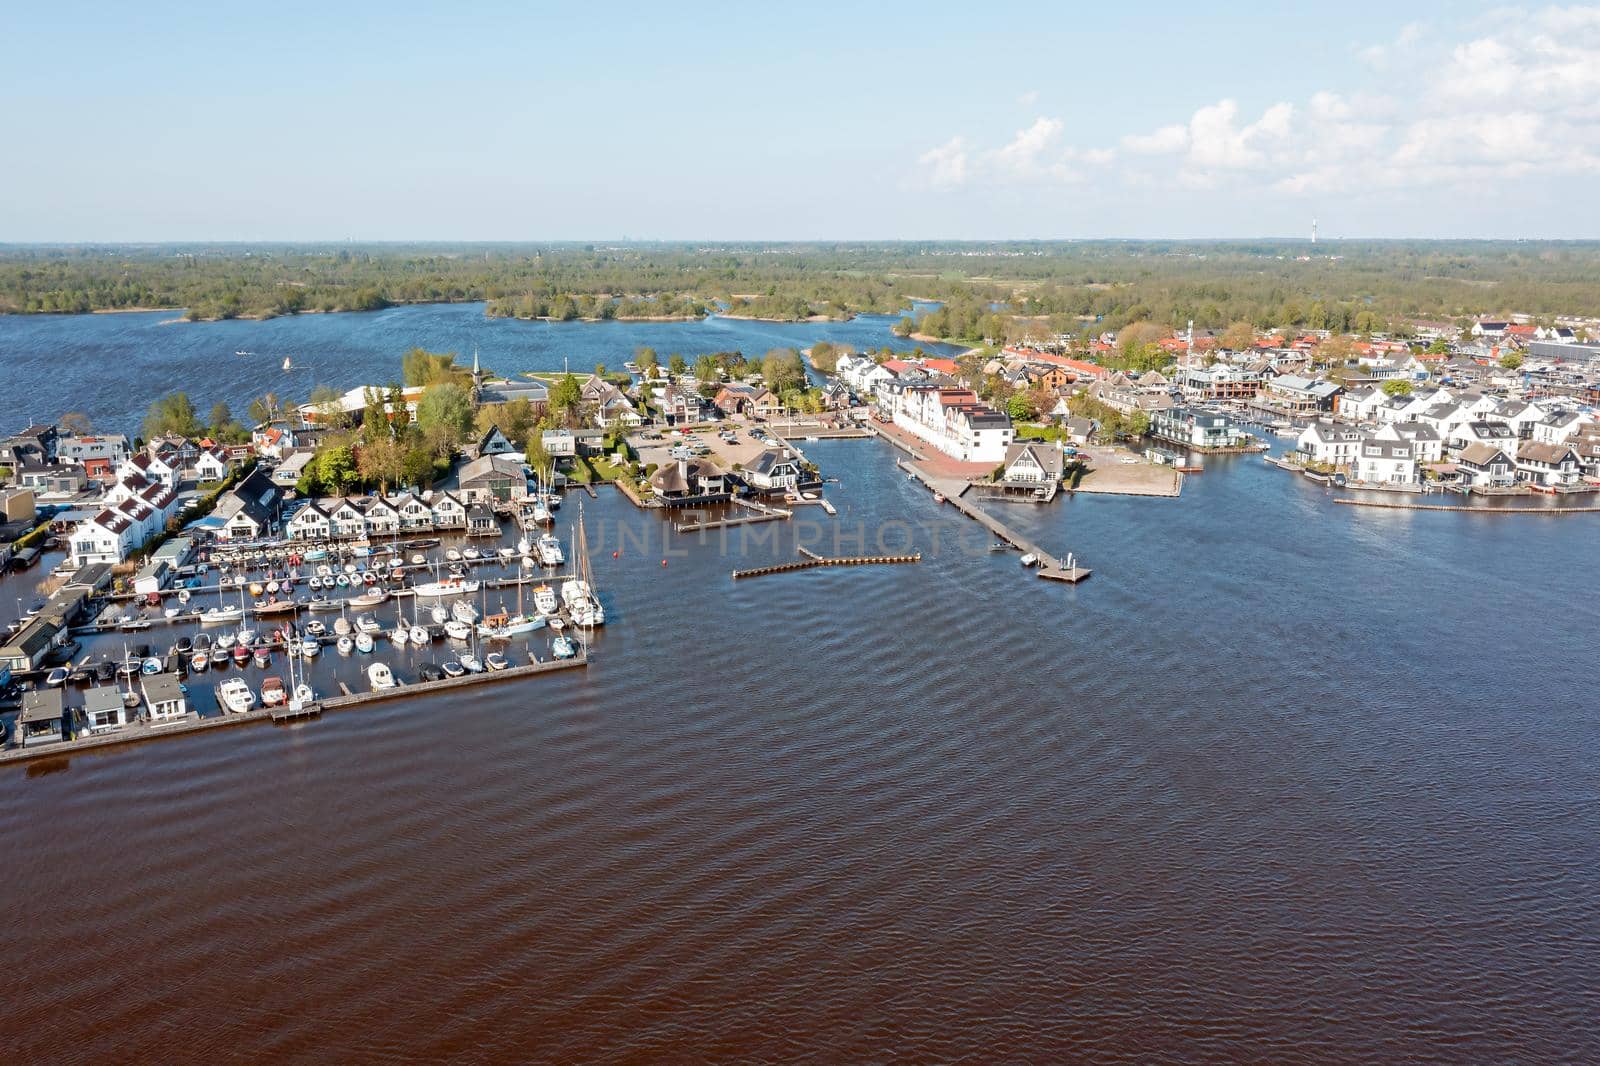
(453, 555)
(310, 647)
(401, 636)
(380, 677)
(563, 648)
(419, 635)
(471, 554)
(462, 611)
(364, 643)
(524, 546)
(369, 599)
(439, 614)
(341, 627)
(344, 645)
(542, 515)
(450, 586)
(456, 629)
(1028, 559)
(550, 553)
(235, 696)
(507, 553)
(221, 616)
(471, 664)
(368, 624)
(544, 600)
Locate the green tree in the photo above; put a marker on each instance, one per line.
(1020, 408)
(645, 360)
(1397, 387)
(1511, 361)
(448, 407)
(333, 471)
(706, 370)
(264, 408)
(905, 327)
(420, 367)
(565, 395)
(172, 413)
(399, 413)
(782, 370)
(1238, 337)
(676, 364)
(1440, 346)
(381, 461)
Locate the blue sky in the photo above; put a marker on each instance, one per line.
(740, 121)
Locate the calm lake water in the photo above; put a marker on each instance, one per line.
(1282, 782)
(112, 366)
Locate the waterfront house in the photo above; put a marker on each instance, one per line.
(1548, 465)
(28, 647)
(153, 466)
(99, 454)
(492, 478)
(345, 520)
(689, 479)
(753, 400)
(774, 469)
(1486, 466)
(1558, 427)
(682, 404)
(954, 421)
(249, 510)
(36, 444)
(1330, 444)
(505, 390)
(1385, 462)
(1030, 463)
(1361, 405)
(310, 522)
(413, 512)
(382, 518)
(52, 479)
(108, 537)
(448, 511)
(1298, 395)
(1220, 381)
(164, 699)
(287, 473)
(1079, 430)
(1521, 416)
(1197, 428)
(103, 709)
(43, 719)
(481, 521)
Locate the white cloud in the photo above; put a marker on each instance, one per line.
(1029, 98)
(945, 167)
(1489, 105)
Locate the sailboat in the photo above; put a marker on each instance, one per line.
(288, 363)
(578, 593)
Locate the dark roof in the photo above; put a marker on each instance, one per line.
(41, 705)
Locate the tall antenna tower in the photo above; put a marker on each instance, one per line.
(1313, 231)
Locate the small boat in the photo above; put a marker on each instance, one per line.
(550, 553)
(456, 629)
(471, 554)
(507, 553)
(380, 677)
(369, 599)
(544, 600)
(263, 656)
(256, 588)
(221, 615)
(439, 614)
(342, 581)
(555, 623)
(418, 559)
(938, 497)
(999, 546)
(419, 635)
(315, 628)
(453, 554)
(495, 661)
(344, 645)
(462, 611)
(364, 643)
(1028, 559)
(323, 604)
(273, 693)
(341, 626)
(57, 677)
(199, 663)
(369, 578)
(368, 624)
(401, 636)
(235, 696)
(563, 648)
(542, 515)
(272, 587)
(152, 665)
(471, 664)
(303, 696)
(453, 669)
(219, 656)
(524, 546)
(315, 583)
(184, 595)
(310, 647)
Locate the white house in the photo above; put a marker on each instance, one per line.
(414, 514)
(1553, 465)
(211, 465)
(955, 422)
(1559, 427)
(108, 537)
(308, 523)
(1331, 444)
(345, 519)
(448, 511)
(382, 518)
(1032, 464)
(773, 468)
(1497, 434)
(1426, 444)
(1385, 462)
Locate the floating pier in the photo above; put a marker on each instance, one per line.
(139, 733)
(760, 512)
(1050, 566)
(812, 560)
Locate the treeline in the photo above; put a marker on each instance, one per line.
(989, 291)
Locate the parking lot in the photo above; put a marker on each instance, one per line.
(740, 450)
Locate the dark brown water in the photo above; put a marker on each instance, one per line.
(1283, 782)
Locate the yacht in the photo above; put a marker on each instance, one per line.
(550, 551)
(450, 586)
(311, 647)
(221, 616)
(235, 696)
(368, 625)
(364, 642)
(544, 600)
(380, 677)
(512, 626)
(273, 693)
(456, 629)
(563, 648)
(462, 611)
(419, 635)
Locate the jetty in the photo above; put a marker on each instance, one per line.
(1051, 566)
(759, 512)
(1464, 509)
(141, 732)
(811, 560)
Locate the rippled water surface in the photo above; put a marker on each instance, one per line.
(1282, 782)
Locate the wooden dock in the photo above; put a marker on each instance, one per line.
(1050, 566)
(810, 560)
(760, 512)
(140, 732)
